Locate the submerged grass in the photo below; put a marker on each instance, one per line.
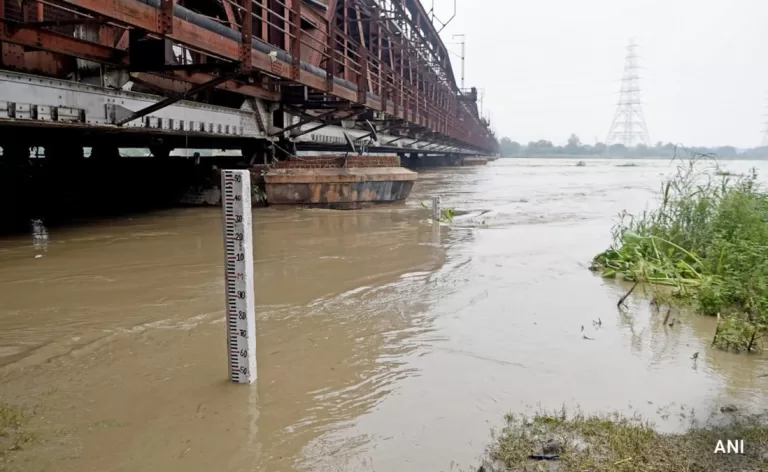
(708, 241)
(13, 431)
(617, 443)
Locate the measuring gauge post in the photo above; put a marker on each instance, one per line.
(238, 254)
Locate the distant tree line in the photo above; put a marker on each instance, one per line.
(544, 148)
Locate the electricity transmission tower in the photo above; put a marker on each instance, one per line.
(628, 126)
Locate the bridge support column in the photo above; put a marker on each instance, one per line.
(105, 152)
(15, 155)
(284, 149)
(160, 151)
(16, 181)
(256, 152)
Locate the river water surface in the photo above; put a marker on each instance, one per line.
(384, 343)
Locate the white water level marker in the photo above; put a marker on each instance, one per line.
(436, 209)
(238, 258)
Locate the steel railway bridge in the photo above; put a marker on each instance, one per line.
(262, 76)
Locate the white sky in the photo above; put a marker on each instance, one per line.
(553, 67)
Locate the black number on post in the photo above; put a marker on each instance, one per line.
(238, 218)
(238, 236)
(240, 256)
(237, 178)
(241, 315)
(243, 352)
(243, 333)
(238, 198)
(244, 370)
(240, 294)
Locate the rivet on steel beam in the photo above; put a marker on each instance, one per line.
(165, 18)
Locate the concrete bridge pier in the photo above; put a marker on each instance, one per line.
(17, 196)
(105, 152)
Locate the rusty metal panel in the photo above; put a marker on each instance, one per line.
(13, 55)
(165, 17)
(54, 42)
(246, 30)
(295, 12)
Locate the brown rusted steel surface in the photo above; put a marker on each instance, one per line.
(46, 40)
(246, 32)
(215, 81)
(165, 19)
(295, 13)
(385, 55)
(345, 188)
(182, 82)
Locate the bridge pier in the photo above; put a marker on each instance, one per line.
(15, 181)
(418, 161)
(321, 181)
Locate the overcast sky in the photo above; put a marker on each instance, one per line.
(553, 67)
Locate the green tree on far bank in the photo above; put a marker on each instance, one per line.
(575, 147)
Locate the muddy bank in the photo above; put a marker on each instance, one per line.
(572, 441)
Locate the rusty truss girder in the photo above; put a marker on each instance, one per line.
(382, 59)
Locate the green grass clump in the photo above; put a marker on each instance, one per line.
(625, 444)
(13, 434)
(447, 215)
(708, 240)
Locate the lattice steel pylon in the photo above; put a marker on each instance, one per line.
(628, 126)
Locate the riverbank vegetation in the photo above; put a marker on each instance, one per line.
(579, 442)
(574, 147)
(708, 242)
(13, 432)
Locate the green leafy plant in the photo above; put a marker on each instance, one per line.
(447, 215)
(707, 241)
(13, 433)
(258, 195)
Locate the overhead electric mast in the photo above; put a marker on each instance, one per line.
(628, 126)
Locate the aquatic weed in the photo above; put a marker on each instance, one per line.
(446, 214)
(708, 241)
(13, 433)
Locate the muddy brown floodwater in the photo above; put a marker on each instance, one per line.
(382, 345)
